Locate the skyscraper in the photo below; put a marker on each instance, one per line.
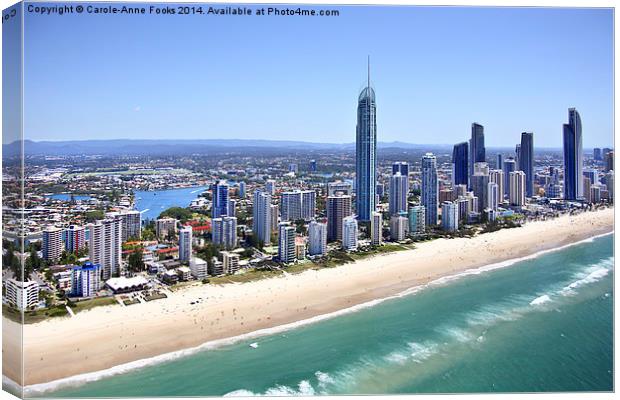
(220, 199)
(460, 164)
(317, 235)
(376, 229)
(224, 232)
(573, 157)
(349, 233)
(510, 165)
(399, 189)
(476, 146)
(492, 196)
(609, 161)
(52, 243)
(338, 208)
(500, 161)
(185, 243)
(399, 226)
(526, 161)
(497, 176)
(400, 166)
(261, 215)
(297, 205)
(430, 188)
(131, 221)
(104, 245)
(449, 216)
(517, 188)
(417, 220)
(480, 183)
(286, 243)
(365, 153)
(75, 238)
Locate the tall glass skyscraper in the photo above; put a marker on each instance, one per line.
(477, 151)
(460, 158)
(573, 157)
(509, 166)
(526, 161)
(220, 199)
(366, 154)
(430, 188)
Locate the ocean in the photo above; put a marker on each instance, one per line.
(541, 324)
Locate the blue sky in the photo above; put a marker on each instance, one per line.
(435, 71)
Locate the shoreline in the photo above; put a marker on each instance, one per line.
(76, 380)
(365, 295)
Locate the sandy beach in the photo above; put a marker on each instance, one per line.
(105, 337)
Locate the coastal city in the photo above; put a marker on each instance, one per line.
(105, 229)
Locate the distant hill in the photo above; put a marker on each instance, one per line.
(162, 147)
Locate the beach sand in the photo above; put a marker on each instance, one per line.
(107, 336)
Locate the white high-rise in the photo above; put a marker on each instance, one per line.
(349, 233)
(399, 189)
(399, 226)
(286, 243)
(497, 176)
(449, 216)
(299, 204)
(317, 235)
(104, 245)
(417, 220)
(517, 188)
(131, 223)
(224, 232)
(493, 194)
(52, 243)
(185, 243)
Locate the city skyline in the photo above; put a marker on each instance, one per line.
(166, 89)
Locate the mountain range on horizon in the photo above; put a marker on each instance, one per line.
(192, 146)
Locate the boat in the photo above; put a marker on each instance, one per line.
(254, 345)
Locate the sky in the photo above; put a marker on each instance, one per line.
(435, 70)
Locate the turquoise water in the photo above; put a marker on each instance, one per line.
(544, 324)
(156, 201)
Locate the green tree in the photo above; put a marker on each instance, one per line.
(135, 260)
(180, 213)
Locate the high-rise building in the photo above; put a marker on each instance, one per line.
(270, 187)
(242, 190)
(230, 262)
(262, 220)
(297, 205)
(492, 196)
(430, 188)
(592, 174)
(349, 233)
(86, 280)
(477, 152)
(479, 184)
(376, 229)
(510, 165)
(417, 220)
(334, 188)
(232, 208)
(449, 216)
(274, 218)
(165, 226)
(104, 246)
(518, 155)
(185, 243)
(400, 166)
(224, 232)
(586, 189)
(286, 243)
(517, 188)
(499, 163)
(51, 246)
(598, 155)
(609, 161)
(573, 157)
(313, 166)
(526, 161)
(399, 226)
(399, 190)
(131, 221)
(609, 181)
(75, 238)
(317, 234)
(338, 208)
(497, 176)
(220, 199)
(366, 153)
(460, 164)
(199, 268)
(22, 295)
